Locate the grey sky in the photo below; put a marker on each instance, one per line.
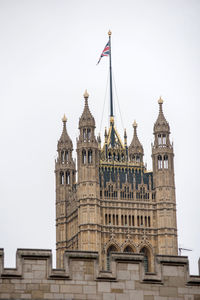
(48, 55)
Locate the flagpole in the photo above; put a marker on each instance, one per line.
(110, 67)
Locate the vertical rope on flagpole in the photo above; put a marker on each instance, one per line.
(111, 94)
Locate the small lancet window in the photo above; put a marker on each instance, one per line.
(137, 158)
(109, 156)
(84, 135)
(164, 139)
(89, 134)
(62, 157)
(159, 162)
(66, 156)
(61, 178)
(84, 157)
(90, 156)
(67, 177)
(159, 139)
(165, 161)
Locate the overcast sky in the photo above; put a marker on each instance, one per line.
(48, 55)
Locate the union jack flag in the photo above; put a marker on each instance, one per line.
(106, 51)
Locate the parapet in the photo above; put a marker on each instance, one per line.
(82, 278)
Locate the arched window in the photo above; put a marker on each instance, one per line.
(61, 178)
(137, 158)
(145, 218)
(62, 157)
(122, 157)
(106, 219)
(109, 156)
(66, 156)
(159, 139)
(67, 177)
(112, 248)
(89, 134)
(114, 156)
(113, 219)
(109, 217)
(90, 156)
(128, 249)
(84, 157)
(84, 135)
(146, 258)
(164, 139)
(165, 161)
(122, 220)
(133, 221)
(159, 162)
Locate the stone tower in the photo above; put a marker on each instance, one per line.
(116, 204)
(163, 171)
(65, 181)
(89, 218)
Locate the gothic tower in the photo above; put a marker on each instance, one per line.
(163, 171)
(65, 180)
(89, 218)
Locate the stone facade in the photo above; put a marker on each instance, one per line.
(82, 277)
(115, 204)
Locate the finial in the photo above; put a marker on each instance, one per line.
(134, 124)
(125, 132)
(86, 95)
(111, 120)
(160, 101)
(64, 119)
(109, 33)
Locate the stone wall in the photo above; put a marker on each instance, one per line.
(34, 278)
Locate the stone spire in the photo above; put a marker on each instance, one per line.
(135, 146)
(64, 141)
(86, 118)
(161, 124)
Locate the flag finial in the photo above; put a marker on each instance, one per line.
(109, 33)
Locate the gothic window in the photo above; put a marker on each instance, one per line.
(67, 177)
(84, 157)
(159, 139)
(122, 157)
(112, 248)
(109, 219)
(149, 222)
(109, 156)
(66, 156)
(122, 220)
(126, 220)
(141, 220)
(137, 158)
(164, 139)
(129, 220)
(61, 178)
(106, 219)
(133, 221)
(145, 218)
(114, 155)
(84, 135)
(146, 258)
(90, 156)
(62, 157)
(89, 134)
(138, 221)
(159, 162)
(113, 219)
(117, 221)
(165, 161)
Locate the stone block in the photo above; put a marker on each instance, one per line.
(80, 297)
(148, 297)
(39, 274)
(188, 297)
(117, 291)
(176, 281)
(54, 288)
(5, 296)
(32, 286)
(44, 287)
(133, 267)
(26, 296)
(117, 285)
(122, 297)
(168, 291)
(130, 285)
(37, 294)
(89, 289)
(123, 275)
(122, 266)
(48, 296)
(103, 287)
(135, 275)
(20, 286)
(71, 289)
(135, 295)
(108, 296)
(6, 287)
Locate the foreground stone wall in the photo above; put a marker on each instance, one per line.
(81, 278)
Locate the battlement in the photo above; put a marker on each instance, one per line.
(81, 277)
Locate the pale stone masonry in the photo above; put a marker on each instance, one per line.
(82, 277)
(115, 203)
